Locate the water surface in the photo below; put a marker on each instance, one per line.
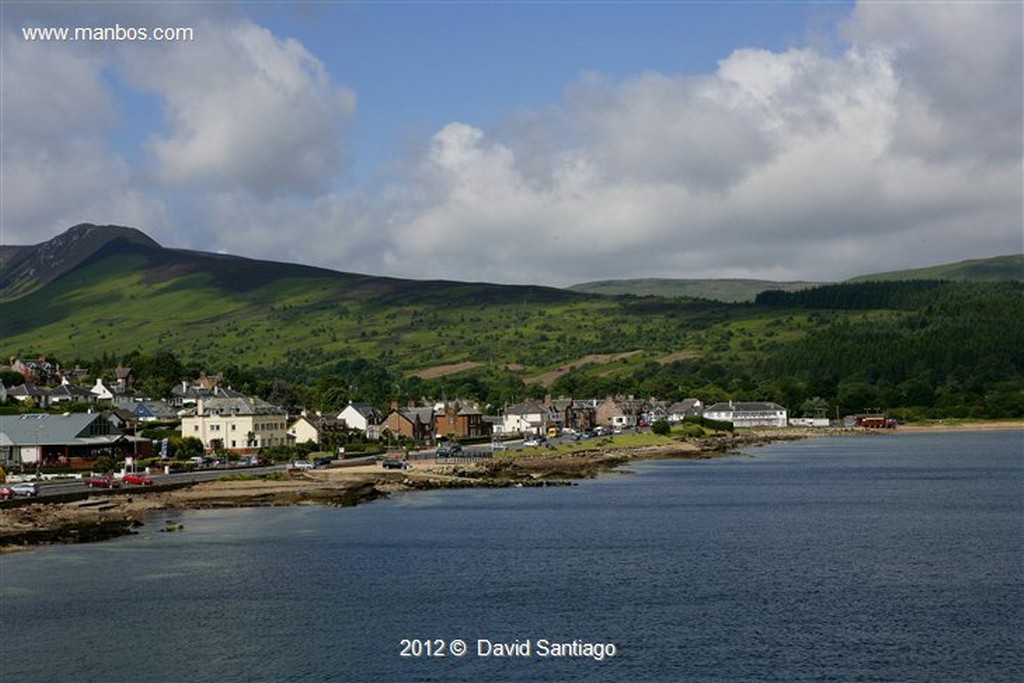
(877, 558)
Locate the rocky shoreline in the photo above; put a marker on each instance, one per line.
(103, 517)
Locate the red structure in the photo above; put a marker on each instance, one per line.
(875, 422)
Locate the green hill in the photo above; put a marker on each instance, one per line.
(726, 290)
(314, 337)
(1009, 267)
(740, 290)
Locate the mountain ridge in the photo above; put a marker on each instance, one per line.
(24, 269)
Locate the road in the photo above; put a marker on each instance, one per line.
(53, 489)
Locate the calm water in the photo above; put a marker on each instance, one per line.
(880, 558)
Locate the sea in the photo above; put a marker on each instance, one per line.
(883, 557)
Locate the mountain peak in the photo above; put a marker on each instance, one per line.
(25, 268)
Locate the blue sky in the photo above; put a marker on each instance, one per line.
(417, 66)
(527, 142)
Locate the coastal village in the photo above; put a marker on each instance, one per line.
(229, 423)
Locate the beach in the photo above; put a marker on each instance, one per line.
(104, 516)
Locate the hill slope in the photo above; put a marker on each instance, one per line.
(1010, 267)
(25, 269)
(740, 290)
(725, 290)
(948, 347)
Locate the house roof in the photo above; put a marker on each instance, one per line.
(743, 407)
(240, 405)
(319, 422)
(364, 409)
(45, 429)
(524, 408)
(70, 390)
(424, 414)
(27, 390)
(159, 409)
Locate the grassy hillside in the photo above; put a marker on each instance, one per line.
(725, 290)
(316, 338)
(740, 291)
(991, 269)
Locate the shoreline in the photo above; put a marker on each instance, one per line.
(103, 517)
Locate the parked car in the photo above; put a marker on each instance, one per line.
(322, 462)
(6, 493)
(303, 465)
(102, 482)
(137, 479)
(26, 489)
(448, 449)
(391, 464)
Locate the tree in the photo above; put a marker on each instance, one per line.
(814, 407)
(11, 378)
(661, 427)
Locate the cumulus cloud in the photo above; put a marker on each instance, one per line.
(901, 149)
(785, 165)
(247, 110)
(960, 75)
(56, 169)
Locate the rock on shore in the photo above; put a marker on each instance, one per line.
(102, 518)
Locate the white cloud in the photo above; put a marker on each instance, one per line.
(904, 149)
(246, 110)
(56, 169)
(794, 164)
(959, 66)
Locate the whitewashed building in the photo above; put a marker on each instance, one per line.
(238, 424)
(749, 414)
(525, 418)
(361, 416)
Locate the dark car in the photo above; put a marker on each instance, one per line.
(322, 462)
(396, 465)
(137, 479)
(102, 482)
(448, 449)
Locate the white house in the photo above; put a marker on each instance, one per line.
(239, 424)
(313, 428)
(678, 412)
(527, 418)
(101, 392)
(748, 414)
(360, 416)
(68, 392)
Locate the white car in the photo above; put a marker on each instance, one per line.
(27, 489)
(302, 465)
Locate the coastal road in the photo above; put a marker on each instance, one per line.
(54, 489)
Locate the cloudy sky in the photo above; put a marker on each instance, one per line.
(526, 142)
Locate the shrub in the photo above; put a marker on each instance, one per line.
(661, 427)
(691, 431)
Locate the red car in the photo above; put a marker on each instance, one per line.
(137, 479)
(6, 493)
(102, 482)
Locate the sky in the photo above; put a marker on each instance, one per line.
(523, 142)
